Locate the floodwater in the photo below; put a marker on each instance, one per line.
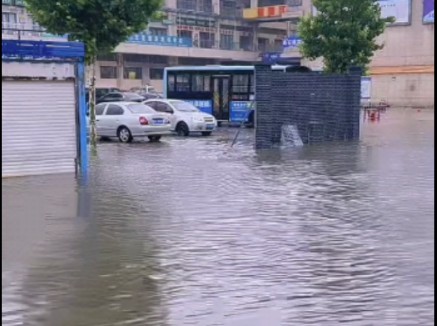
(193, 232)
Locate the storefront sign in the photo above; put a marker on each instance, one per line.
(195, 22)
(292, 42)
(428, 11)
(239, 110)
(148, 39)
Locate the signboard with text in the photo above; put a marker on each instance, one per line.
(148, 39)
(239, 110)
(291, 42)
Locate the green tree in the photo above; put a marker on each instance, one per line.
(343, 33)
(100, 24)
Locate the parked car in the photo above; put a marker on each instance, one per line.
(148, 92)
(101, 92)
(129, 120)
(185, 118)
(121, 97)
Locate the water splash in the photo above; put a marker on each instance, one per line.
(290, 136)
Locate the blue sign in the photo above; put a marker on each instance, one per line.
(239, 110)
(292, 42)
(271, 57)
(144, 38)
(202, 105)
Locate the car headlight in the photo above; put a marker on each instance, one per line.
(197, 119)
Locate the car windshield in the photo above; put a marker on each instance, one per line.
(140, 108)
(184, 106)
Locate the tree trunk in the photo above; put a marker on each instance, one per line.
(92, 104)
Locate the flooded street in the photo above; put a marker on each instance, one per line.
(190, 231)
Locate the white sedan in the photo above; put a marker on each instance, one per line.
(129, 120)
(185, 118)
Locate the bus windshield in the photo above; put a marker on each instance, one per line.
(184, 106)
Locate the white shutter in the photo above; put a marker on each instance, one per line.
(38, 127)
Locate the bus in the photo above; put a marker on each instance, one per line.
(226, 92)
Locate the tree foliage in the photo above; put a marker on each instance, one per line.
(100, 24)
(343, 32)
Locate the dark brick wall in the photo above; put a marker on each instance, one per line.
(324, 107)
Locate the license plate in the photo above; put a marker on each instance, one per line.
(158, 122)
(209, 127)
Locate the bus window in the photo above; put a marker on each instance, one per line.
(200, 83)
(171, 82)
(183, 83)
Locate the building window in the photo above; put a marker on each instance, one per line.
(195, 5)
(158, 59)
(278, 45)
(195, 61)
(9, 20)
(186, 34)
(133, 73)
(263, 44)
(246, 43)
(131, 57)
(206, 40)
(266, 3)
(107, 57)
(108, 72)
(157, 73)
(228, 8)
(158, 31)
(226, 42)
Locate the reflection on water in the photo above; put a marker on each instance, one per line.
(193, 232)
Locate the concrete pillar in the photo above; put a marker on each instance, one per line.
(120, 63)
(253, 3)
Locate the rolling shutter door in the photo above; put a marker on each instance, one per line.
(38, 127)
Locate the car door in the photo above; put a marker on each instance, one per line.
(165, 108)
(100, 108)
(113, 119)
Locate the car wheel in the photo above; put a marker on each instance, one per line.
(154, 139)
(206, 133)
(182, 129)
(124, 135)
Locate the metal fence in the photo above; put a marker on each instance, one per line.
(322, 107)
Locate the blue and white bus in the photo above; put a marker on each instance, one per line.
(226, 92)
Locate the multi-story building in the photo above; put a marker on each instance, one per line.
(198, 32)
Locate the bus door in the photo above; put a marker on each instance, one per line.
(220, 87)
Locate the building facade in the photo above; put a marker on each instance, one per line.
(199, 32)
